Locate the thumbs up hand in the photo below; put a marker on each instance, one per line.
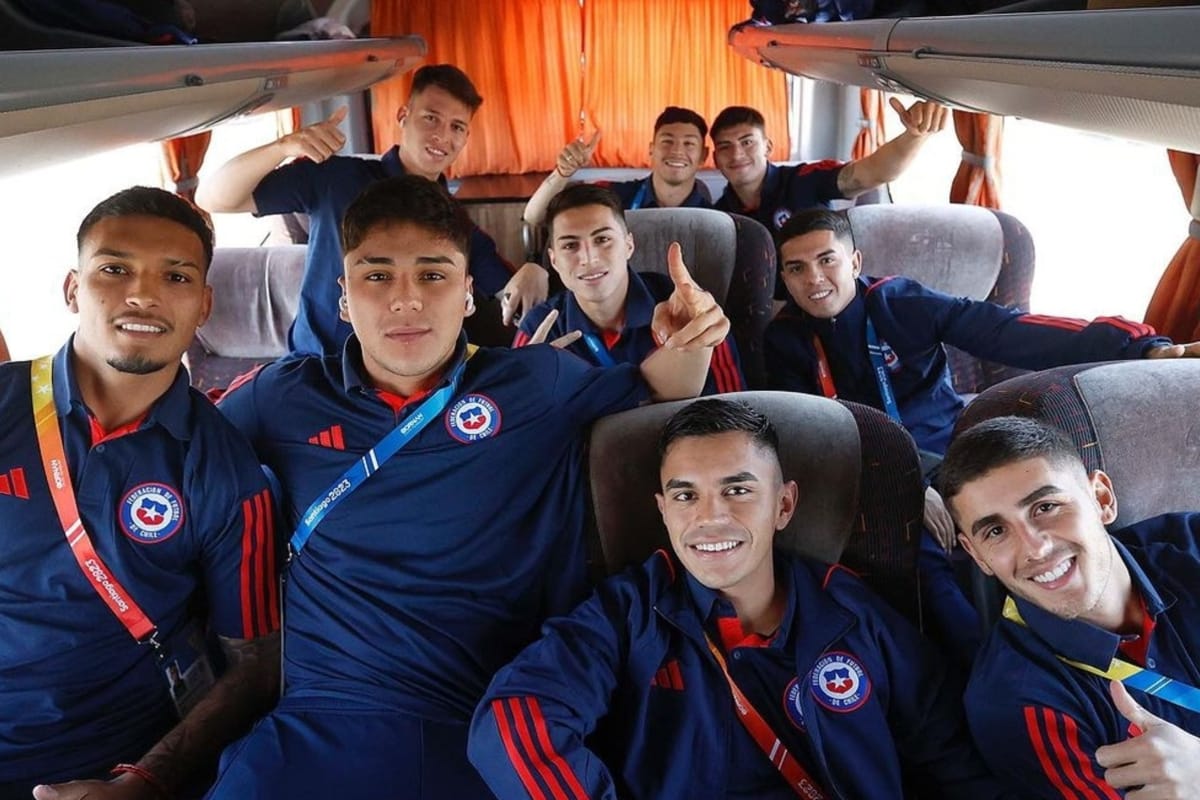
(1164, 760)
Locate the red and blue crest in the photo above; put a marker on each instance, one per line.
(151, 513)
(791, 703)
(472, 418)
(839, 682)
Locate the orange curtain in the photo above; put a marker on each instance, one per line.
(181, 160)
(872, 133)
(977, 182)
(526, 57)
(287, 121)
(1175, 307)
(523, 57)
(4, 356)
(643, 56)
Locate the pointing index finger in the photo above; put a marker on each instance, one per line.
(676, 268)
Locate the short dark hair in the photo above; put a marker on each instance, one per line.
(815, 219)
(997, 443)
(715, 415)
(578, 195)
(450, 79)
(672, 115)
(407, 199)
(738, 115)
(148, 201)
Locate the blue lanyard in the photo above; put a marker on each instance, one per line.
(598, 350)
(879, 365)
(640, 197)
(1148, 681)
(369, 464)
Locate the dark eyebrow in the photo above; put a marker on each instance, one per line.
(677, 483)
(741, 477)
(388, 261)
(104, 251)
(1024, 502)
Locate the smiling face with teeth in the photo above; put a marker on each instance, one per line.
(723, 499)
(820, 270)
(1038, 526)
(139, 292)
(590, 250)
(677, 152)
(434, 126)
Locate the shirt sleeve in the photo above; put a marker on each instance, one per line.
(527, 736)
(530, 322)
(240, 557)
(293, 187)
(490, 271)
(586, 393)
(816, 181)
(1042, 751)
(1018, 339)
(725, 369)
(239, 405)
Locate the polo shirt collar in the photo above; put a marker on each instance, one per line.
(851, 316)
(1082, 641)
(639, 309)
(354, 373)
(172, 410)
(393, 167)
(705, 600)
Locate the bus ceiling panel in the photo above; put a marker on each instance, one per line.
(1133, 73)
(1151, 105)
(58, 105)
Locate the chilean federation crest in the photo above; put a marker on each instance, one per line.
(472, 418)
(151, 513)
(791, 703)
(839, 682)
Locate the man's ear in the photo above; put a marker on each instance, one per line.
(70, 290)
(1106, 496)
(343, 310)
(787, 504)
(662, 503)
(629, 246)
(769, 146)
(402, 114)
(856, 261)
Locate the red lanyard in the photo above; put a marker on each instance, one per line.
(793, 772)
(824, 374)
(58, 478)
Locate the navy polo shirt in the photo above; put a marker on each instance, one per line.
(1039, 721)
(639, 193)
(646, 290)
(176, 508)
(763, 669)
(787, 189)
(441, 566)
(324, 191)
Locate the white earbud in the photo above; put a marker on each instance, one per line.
(343, 302)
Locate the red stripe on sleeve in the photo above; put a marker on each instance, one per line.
(725, 371)
(557, 761)
(1051, 720)
(1134, 329)
(514, 753)
(1086, 767)
(241, 380)
(880, 282)
(247, 554)
(1063, 323)
(1039, 748)
(818, 166)
(271, 582)
(260, 565)
(536, 759)
(521, 339)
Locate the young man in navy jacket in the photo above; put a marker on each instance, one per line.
(605, 313)
(437, 495)
(1030, 514)
(630, 695)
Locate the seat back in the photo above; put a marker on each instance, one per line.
(729, 255)
(960, 250)
(859, 477)
(256, 292)
(1135, 420)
